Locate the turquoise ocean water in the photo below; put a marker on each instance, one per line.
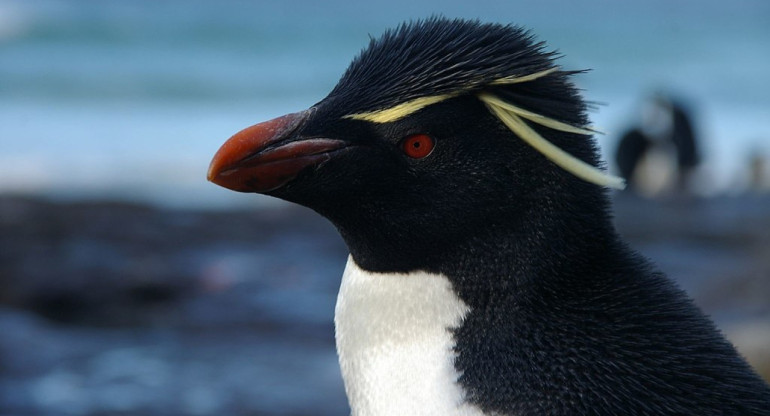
(130, 99)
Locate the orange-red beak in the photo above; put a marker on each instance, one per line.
(266, 156)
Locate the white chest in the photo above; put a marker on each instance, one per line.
(395, 345)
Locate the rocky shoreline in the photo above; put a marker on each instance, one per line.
(121, 308)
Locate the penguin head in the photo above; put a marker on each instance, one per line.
(439, 130)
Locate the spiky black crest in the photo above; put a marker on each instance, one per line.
(437, 56)
(429, 61)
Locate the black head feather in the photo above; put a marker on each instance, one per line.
(437, 56)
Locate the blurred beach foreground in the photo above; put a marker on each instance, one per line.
(114, 308)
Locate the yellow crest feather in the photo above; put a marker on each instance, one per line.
(511, 116)
(537, 118)
(399, 111)
(524, 78)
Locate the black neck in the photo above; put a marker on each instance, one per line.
(515, 244)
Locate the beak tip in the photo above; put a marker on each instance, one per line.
(214, 171)
(227, 168)
(211, 174)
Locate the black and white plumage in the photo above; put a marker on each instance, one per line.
(485, 276)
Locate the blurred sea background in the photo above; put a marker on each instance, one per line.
(129, 285)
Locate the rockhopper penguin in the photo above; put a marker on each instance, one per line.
(485, 276)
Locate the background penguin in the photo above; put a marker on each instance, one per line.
(662, 153)
(485, 275)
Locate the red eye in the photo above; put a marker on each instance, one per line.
(417, 146)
